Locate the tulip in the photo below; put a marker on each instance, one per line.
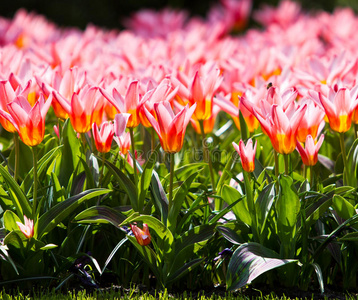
(128, 104)
(309, 154)
(29, 121)
(169, 127)
(142, 235)
(247, 154)
(103, 137)
(339, 106)
(122, 138)
(81, 107)
(28, 228)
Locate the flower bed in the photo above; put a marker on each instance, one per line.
(178, 153)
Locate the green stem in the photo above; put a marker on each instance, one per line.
(152, 140)
(34, 204)
(84, 142)
(310, 176)
(102, 169)
(275, 154)
(171, 181)
(251, 205)
(285, 157)
(134, 159)
(344, 157)
(207, 157)
(355, 131)
(17, 155)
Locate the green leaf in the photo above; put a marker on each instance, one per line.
(187, 267)
(231, 235)
(179, 197)
(264, 203)
(18, 197)
(69, 158)
(89, 177)
(249, 261)
(241, 210)
(100, 214)
(48, 247)
(350, 237)
(146, 177)
(56, 214)
(159, 197)
(10, 219)
(125, 183)
(343, 208)
(148, 255)
(288, 207)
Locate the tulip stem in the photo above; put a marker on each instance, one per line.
(171, 180)
(134, 159)
(34, 194)
(102, 170)
(355, 131)
(207, 157)
(344, 157)
(285, 157)
(17, 155)
(152, 135)
(275, 155)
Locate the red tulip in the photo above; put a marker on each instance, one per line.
(142, 235)
(247, 154)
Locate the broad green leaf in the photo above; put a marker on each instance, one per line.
(316, 210)
(230, 235)
(159, 197)
(69, 158)
(352, 164)
(241, 210)
(187, 267)
(14, 239)
(198, 234)
(264, 203)
(343, 208)
(10, 219)
(18, 197)
(125, 183)
(179, 197)
(288, 207)
(100, 214)
(249, 261)
(146, 176)
(56, 214)
(90, 184)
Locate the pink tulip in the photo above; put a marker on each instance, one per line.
(29, 121)
(28, 228)
(309, 154)
(169, 127)
(247, 154)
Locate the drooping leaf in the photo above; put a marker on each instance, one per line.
(343, 207)
(159, 197)
(56, 214)
(100, 214)
(179, 197)
(249, 261)
(241, 210)
(18, 197)
(125, 183)
(287, 207)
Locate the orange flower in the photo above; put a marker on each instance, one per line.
(142, 235)
(169, 127)
(29, 121)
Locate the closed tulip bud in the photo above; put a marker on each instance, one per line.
(141, 234)
(309, 154)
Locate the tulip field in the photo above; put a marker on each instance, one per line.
(181, 152)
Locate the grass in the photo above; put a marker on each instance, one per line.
(134, 294)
